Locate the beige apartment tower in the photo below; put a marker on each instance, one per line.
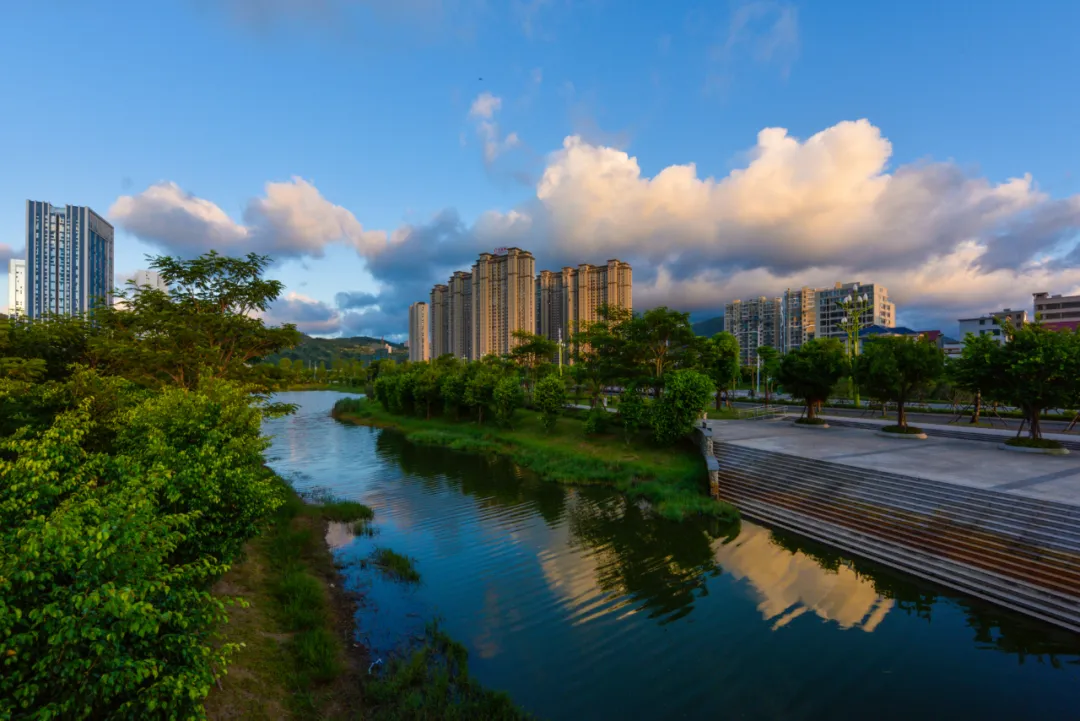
(460, 316)
(418, 332)
(568, 300)
(503, 301)
(800, 318)
(439, 320)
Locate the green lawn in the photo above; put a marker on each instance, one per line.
(673, 478)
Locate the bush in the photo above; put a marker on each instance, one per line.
(597, 420)
(633, 413)
(686, 395)
(550, 400)
(811, 421)
(507, 398)
(909, 430)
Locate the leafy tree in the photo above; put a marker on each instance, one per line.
(1037, 369)
(686, 396)
(811, 371)
(663, 335)
(550, 399)
(507, 397)
(206, 326)
(45, 348)
(718, 358)
(769, 358)
(976, 370)
(892, 368)
(633, 413)
(531, 352)
(452, 389)
(480, 390)
(426, 388)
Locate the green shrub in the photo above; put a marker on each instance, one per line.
(686, 395)
(1034, 443)
(597, 420)
(507, 397)
(907, 430)
(550, 399)
(633, 413)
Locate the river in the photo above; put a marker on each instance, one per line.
(583, 606)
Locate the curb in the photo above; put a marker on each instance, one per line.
(1041, 451)
(902, 436)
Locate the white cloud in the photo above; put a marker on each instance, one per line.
(483, 111)
(291, 220)
(309, 315)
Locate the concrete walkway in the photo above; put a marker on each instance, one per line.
(966, 463)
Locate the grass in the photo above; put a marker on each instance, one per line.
(905, 430)
(1034, 443)
(295, 661)
(396, 565)
(345, 511)
(673, 479)
(433, 682)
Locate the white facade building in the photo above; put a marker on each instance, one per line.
(830, 314)
(16, 287)
(992, 323)
(150, 278)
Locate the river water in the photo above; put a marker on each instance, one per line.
(583, 606)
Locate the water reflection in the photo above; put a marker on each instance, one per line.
(584, 606)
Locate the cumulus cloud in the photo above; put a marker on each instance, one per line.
(309, 315)
(6, 254)
(798, 212)
(483, 111)
(291, 220)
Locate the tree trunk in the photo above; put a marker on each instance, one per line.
(1034, 428)
(811, 410)
(717, 399)
(978, 407)
(766, 394)
(901, 415)
(480, 416)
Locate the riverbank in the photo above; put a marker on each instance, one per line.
(673, 479)
(296, 625)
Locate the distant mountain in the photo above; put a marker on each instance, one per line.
(709, 327)
(313, 350)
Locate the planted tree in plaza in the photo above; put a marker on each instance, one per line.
(811, 371)
(768, 367)
(686, 396)
(977, 369)
(550, 399)
(1035, 370)
(892, 368)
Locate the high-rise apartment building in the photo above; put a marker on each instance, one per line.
(503, 300)
(418, 332)
(460, 316)
(829, 323)
(439, 320)
(150, 278)
(16, 287)
(754, 323)
(567, 300)
(800, 318)
(69, 259)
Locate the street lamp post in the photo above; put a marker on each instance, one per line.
(854, 306)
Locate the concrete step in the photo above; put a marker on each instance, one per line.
(962, 497)
(862, 487)
(975, 582)
(941, 540)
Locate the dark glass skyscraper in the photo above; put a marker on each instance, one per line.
(69, 259)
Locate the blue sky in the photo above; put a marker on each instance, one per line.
(400, 142)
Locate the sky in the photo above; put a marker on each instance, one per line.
(726, 149)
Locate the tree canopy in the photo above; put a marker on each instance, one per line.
(811, 371)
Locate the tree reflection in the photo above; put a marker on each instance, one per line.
(994, 628)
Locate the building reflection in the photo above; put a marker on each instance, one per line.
(790, 584)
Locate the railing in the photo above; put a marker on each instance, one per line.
(760, 412)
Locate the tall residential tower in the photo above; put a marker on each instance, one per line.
(418, 332)
(568, 300)
(69, 259)
(439, 320)
(503, 300)
(16, 287)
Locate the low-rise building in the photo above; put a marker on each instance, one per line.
(1057, 308)
(992, 323)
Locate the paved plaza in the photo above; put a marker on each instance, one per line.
(967, 463)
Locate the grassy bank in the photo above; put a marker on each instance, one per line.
(673, 479)
(296, 623)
